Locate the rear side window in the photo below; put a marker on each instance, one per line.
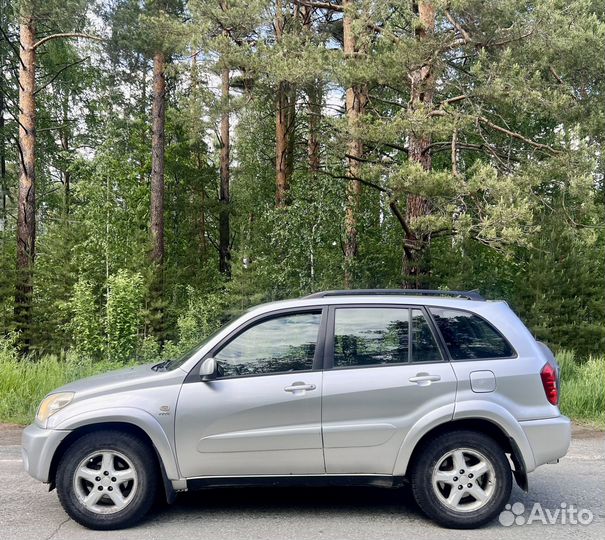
(468, 336)
(371, 337)
(379, 336)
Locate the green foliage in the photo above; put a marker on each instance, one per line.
(516, 210)
(24, 382)
(124, 303)
(203, 316)
(86, 323)
(582, 396)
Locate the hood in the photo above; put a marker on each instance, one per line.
(121, 379)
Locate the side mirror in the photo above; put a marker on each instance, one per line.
(208, 369)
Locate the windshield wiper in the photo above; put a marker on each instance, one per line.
(161, 366)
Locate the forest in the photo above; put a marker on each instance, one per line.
(166, 164)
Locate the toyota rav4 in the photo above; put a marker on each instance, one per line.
(441, 390)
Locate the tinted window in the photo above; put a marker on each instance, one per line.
(365, 337)
(468, 336)
(279, 344)
(424, 347)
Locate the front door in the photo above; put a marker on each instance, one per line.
(385, 372)
(262, 415)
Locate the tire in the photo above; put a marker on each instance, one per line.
(123, 496)
(453, 499)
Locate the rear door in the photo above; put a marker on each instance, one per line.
(384, 371)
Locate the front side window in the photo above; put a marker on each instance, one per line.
(280, 344)
(468, 336)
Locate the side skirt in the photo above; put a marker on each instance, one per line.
(320, 480)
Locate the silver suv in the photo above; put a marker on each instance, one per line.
(443, 391)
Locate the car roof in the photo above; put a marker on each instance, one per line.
(373, 299)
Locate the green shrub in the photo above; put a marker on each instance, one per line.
(124, 305)
(86, 324)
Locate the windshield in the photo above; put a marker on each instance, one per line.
(178, 362)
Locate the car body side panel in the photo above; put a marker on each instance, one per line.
(429, 421)
(501, 417)
(368, 411)
(136, 417)
(250, 426)
(518, 387)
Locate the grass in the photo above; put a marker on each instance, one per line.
(583, 388)
(23, 383)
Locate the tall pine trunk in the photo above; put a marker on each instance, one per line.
(158, 119)
(314, 97)
(26, 211)
(284, 125)
(3, 185)
(224, 197)
(283, 160)
(64, 137)
(356, 100)
(421, 96)
(314, 92)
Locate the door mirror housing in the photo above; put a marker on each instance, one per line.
(208, 369)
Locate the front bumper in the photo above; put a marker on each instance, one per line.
(38, 447)
(548, 438)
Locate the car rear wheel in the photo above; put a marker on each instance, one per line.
(462, 479)
(107, 480)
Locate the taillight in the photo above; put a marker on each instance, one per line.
(550, 383)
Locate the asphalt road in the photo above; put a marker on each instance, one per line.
(28, 511)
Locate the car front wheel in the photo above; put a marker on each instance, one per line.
(462, 479)
(107, 480)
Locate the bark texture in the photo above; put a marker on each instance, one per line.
(356, 101)
(66, 175)
(158, 120)
(224, 197)
(422, 91)
(285, 104)
(314, 92)
(26, 211)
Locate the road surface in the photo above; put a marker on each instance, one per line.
(28, 511)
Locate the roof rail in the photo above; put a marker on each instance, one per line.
(469, 295)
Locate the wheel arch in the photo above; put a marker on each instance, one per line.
(114, 425)
(480, 425)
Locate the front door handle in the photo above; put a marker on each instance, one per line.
(424, 379)
(299, 387)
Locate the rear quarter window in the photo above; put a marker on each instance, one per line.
(468, 336)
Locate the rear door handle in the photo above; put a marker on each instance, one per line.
(424, 379)
(299, 387)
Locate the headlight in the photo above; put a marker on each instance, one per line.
(51, 404)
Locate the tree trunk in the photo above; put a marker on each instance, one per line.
(314, 96)
(421, 96)
(3, 185)
(224, 227)
(314, 93)
(26, 212)
(356, 100)
(284, 133)
(282, 145)
(64, 136)
(158, 114)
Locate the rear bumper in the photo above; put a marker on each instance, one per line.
(548, 438)
(38, 447)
